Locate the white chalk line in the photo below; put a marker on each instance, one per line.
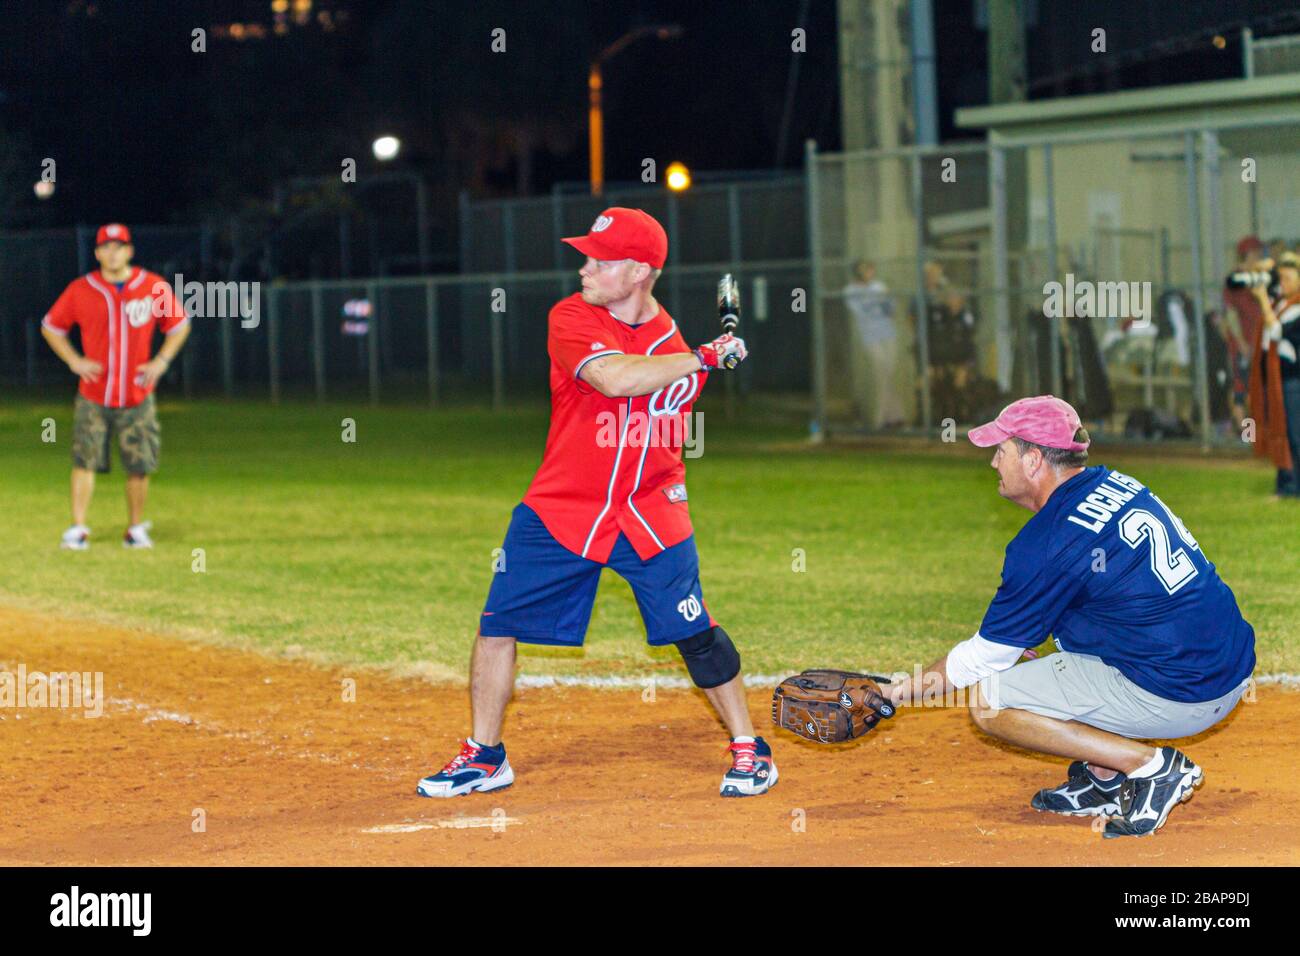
(1285, 680)
(272, 745)
(152, 714)
(455, 823)
(533, 681)
(613, 682)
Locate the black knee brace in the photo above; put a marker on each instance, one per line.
(711, 658)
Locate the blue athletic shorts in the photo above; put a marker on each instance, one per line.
(544, 592)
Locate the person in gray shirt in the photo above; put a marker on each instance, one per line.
(874, 349)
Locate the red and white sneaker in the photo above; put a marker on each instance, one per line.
(752, 770)
(474, 768)
(76, 538)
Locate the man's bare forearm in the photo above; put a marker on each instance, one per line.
(61, 346)
(172, 343)
(907, 692)
(622, 376)
(1266, 311)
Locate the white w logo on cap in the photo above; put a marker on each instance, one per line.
(602, 223)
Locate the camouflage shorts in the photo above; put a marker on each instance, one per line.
(137, 431)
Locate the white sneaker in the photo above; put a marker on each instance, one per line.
(137, 536)
(76, 538)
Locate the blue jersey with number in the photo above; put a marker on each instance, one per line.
(1109, 571)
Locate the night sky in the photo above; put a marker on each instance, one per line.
(144, 129)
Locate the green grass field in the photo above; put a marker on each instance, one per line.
(379, 552)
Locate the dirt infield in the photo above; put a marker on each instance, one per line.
(285, 771)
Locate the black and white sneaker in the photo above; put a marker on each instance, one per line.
(1145, 802)
(1082, 795)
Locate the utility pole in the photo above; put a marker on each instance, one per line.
(595, 96)
(1006, 52)
(1007, 84)
(874, 66)
(879, 222)
(925, 91)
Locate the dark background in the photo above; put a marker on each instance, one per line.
(144, 130)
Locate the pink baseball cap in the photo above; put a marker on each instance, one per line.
(1044, 420)
(621, 233)
(113, 232)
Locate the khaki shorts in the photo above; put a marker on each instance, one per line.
(137, 431)
(1081, 687)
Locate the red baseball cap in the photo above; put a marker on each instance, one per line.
(1044, 420)
(621, 233)
(1247, 244)
(113, 232)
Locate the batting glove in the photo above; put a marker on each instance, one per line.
(714, 354)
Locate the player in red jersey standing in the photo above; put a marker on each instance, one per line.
(117, 307)
(610, 492)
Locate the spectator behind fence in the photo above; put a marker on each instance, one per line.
(875, 348)
(1086, 380)
(1276, 249)
(951, 342)
(1243, 325)
(1276, 404)
(1218, 366)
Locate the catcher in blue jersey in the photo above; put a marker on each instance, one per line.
(1151, 643)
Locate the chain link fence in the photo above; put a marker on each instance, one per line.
(747, 220)
(904, 287)
(1088, 266)
(447, 338)
(479, 338)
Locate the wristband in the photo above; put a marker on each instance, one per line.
(699, 355)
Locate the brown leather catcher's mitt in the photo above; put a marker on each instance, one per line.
(829, 706)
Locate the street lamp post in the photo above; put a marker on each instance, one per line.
(595, 130)
(385, 149)
(595, 83)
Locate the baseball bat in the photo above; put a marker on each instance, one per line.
(729, 310)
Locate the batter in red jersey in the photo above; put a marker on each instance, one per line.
(610, 492)
(116, 308)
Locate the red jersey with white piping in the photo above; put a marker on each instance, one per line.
(613, 465)
(116, 329)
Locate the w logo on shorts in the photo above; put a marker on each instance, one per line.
(689, 608)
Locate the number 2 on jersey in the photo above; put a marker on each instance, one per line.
(1173, 568)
